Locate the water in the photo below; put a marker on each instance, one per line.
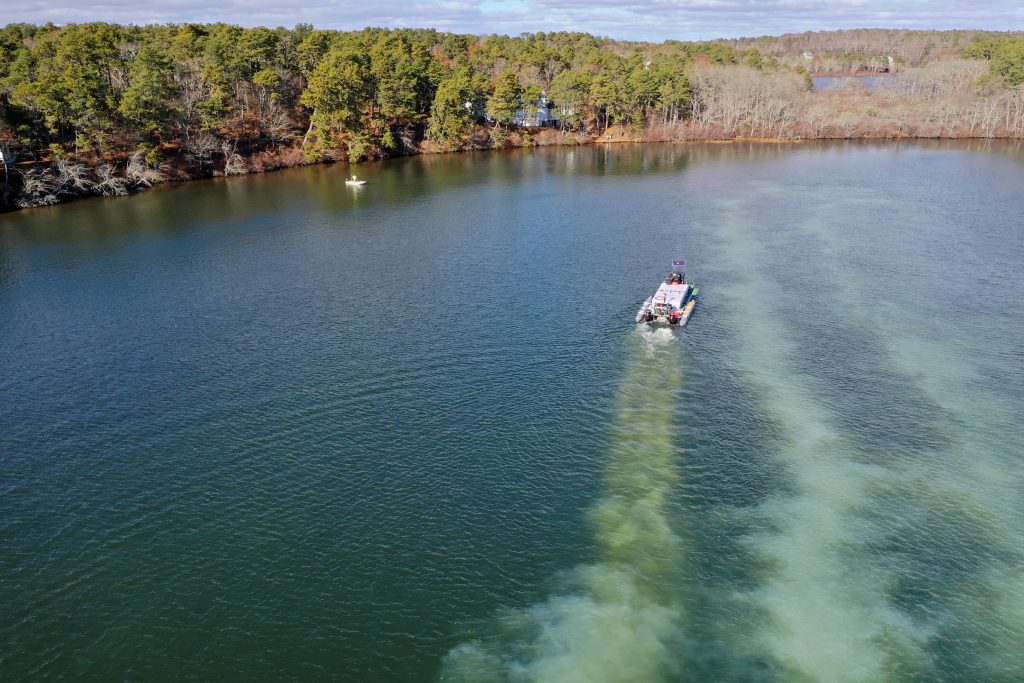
(870, 82)
(275, 427)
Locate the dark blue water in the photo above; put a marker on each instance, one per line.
(273, 427)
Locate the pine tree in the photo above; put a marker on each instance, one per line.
(503, 104)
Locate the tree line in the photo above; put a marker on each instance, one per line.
(100, 88)
(853, 50)
(102, 108)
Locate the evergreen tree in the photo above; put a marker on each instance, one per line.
(503, 103)
(337, 92)
(454, 108)
(570, 92)
(146, 101)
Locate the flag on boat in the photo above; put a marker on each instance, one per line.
(678, 262)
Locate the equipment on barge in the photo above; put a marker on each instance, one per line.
(674, 301)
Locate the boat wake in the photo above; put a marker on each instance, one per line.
(618, 619)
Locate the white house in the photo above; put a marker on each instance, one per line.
(542, 113)
(542, 116)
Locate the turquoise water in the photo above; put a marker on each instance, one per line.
(273, 427)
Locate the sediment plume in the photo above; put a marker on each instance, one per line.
(822, 600)
(621, 618)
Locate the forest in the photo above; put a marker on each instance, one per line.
(105, 109)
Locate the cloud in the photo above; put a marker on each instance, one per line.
(623, 19)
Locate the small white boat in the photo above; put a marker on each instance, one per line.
(674, 301)
(354, 182)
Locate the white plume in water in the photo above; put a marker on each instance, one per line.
(972, 474)
(607, 630)
(826, 614)
(619, 620)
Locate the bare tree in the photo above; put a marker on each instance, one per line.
(140, 173)
(234, 164)
(70, 178)
(201, 148)
(108, 183)
(276, 124)
(37, 189)
(192, 91)
(744, 101)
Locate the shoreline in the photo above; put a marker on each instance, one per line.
(589, 140)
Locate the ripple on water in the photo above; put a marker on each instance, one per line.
(319, 434)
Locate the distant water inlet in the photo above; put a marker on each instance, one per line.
(825, 82)
(620, 618)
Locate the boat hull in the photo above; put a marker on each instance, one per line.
(642, 313)
(688, 311)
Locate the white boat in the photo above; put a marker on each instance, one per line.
(354, 182)
(674, 301)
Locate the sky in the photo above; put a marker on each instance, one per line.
(654, 20)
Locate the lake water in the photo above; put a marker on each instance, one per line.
(870, 82)
(273, 427)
